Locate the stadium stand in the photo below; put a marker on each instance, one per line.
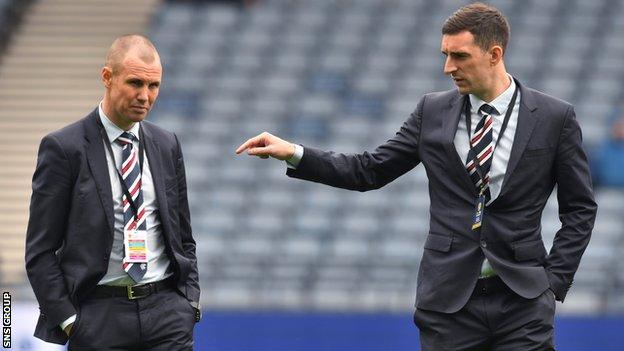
(10, 16)
(285, 264)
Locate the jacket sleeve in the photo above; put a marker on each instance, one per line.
(577, 208)
(49, 206)
(366, 171)
(188, 243)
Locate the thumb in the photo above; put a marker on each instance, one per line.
(259, 151)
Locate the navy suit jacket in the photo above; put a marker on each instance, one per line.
(546, 151)
(70, 229)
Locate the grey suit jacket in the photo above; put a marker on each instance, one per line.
(70, 230)
(547, 150)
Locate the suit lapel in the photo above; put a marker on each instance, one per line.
(152, 150)
(96, 158)
(527, 119)
(449, 129)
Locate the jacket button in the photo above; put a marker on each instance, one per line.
(483, 243)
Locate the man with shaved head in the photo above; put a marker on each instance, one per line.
(109, 249)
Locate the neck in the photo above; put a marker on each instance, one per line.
(500, 83)
(117, 120)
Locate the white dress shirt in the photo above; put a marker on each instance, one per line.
(501, 155)
(157, 259)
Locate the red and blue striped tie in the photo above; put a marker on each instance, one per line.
(131, 174)
(482, 146)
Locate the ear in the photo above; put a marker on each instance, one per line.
(107, 76)
(496, 55)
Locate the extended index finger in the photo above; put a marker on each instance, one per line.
(249, 143)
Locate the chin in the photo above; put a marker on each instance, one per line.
(463, 90)
(135, 117)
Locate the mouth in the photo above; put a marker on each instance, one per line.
(140, 108)
(460, 83)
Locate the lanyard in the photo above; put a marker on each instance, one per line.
(468, 114)
(124, 187)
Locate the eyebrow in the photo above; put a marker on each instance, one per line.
(137, 79)
(456, 53)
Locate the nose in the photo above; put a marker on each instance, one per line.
(142, 95)
(449, 67)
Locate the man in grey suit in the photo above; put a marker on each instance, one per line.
(493, 150)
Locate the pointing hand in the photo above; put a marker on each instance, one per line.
(265, 145)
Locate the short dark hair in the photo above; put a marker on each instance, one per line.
(486, 23)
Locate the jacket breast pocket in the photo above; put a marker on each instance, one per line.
(537, 152)
(529, 250)
(439, 242)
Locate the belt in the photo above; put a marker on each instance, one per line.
(489, 286)
(132, 292)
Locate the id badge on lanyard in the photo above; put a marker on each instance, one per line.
(135, 244)
(479, 206)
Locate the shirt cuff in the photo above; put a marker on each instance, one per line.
(293, 161)
(68, 321)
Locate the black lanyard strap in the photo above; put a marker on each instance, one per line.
(124, 187)
(468, 114)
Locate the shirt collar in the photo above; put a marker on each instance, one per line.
(113, 131)
(500, 103)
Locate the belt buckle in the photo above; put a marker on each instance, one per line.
(131, 294)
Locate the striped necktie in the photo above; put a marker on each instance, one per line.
(482, 146)
(135, 250)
